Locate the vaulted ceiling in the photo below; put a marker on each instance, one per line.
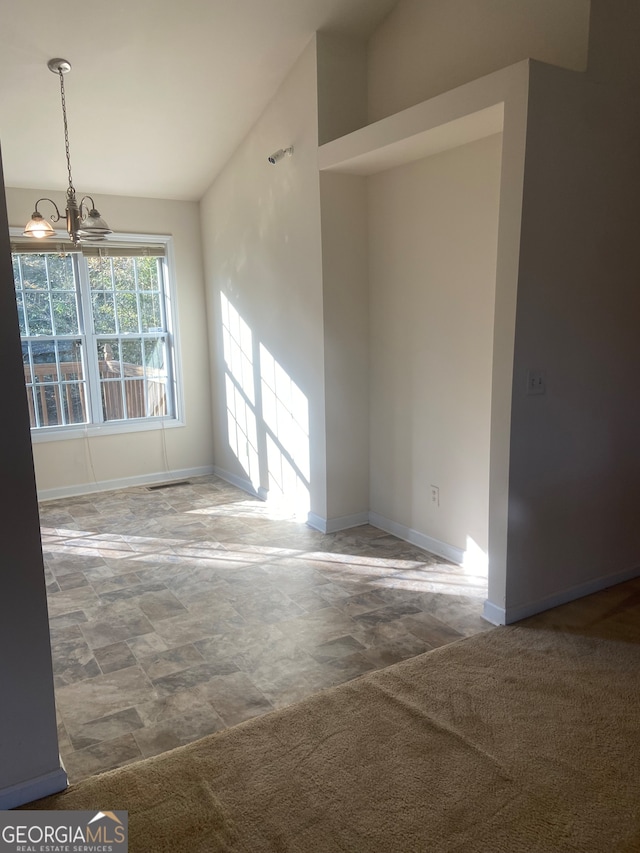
(160, 92)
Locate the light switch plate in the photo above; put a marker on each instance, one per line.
(536, 382)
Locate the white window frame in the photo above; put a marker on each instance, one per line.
(67, 432)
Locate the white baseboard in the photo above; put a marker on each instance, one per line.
(494, 614)
(522, 611)
(333, 525)
(122, 483)
(241, 483)
(33, 789)
(428, 543)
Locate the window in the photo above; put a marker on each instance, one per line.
(96, 333)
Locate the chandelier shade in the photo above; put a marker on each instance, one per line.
(38, 227)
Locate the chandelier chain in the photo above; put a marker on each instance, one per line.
(66, 130)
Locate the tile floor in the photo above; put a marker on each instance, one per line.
(176, 612)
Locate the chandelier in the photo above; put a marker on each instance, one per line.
(84, 223)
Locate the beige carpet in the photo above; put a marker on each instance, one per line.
(521, 739)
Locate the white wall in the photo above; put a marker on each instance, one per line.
(425, 48)
(87, 463)
(432, 262)
(261, 237)
(575, 455)
(613, 44)
(342, 85)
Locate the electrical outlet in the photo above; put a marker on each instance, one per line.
(435, 495)
(536, 382)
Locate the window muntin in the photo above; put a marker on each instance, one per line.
(95, 335)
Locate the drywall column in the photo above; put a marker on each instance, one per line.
(574, 485)
(343, 200)
(29, 760)
(342, 108)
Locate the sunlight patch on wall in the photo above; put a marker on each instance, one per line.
(267, 417)
(476, 561)
(237, 342)
(285, 411)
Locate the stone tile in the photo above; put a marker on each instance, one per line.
(291, 573)
(175, 704)
(285, 651)
(182, 529)
(394, 651)
(73, 661)
(69, 563)
(81, 510)
(191, 627)
(177, 731)
(309, 600)
(286, 695)
(74, 618)
(354, 605)
(104, 695)
(114, 657)
(113, 625)
(174, 660)
(235, 697)
(394, 594)
(55, 517)
(146, 644)
(101, 545)
(209, 599)
(160, 605)
(461, 612)
(431, 630)
(387, 614)
(243, 645)
(72, 581)
(338, 671)
(72, 600)
(65, 632)
(64, 741)
(101, 572)
(339, 648)
(101, 757)
(280, 677)
(265, 605)
(318, 627)
(109, 727)
(381, 633)
(132, 591)
(117, 582)
(192, 677)
(333, 593)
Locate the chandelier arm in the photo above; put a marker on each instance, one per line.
(57, 215)
(83, 207)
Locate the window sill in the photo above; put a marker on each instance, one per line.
(71, 433)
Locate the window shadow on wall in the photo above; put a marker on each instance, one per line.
(267, 417)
